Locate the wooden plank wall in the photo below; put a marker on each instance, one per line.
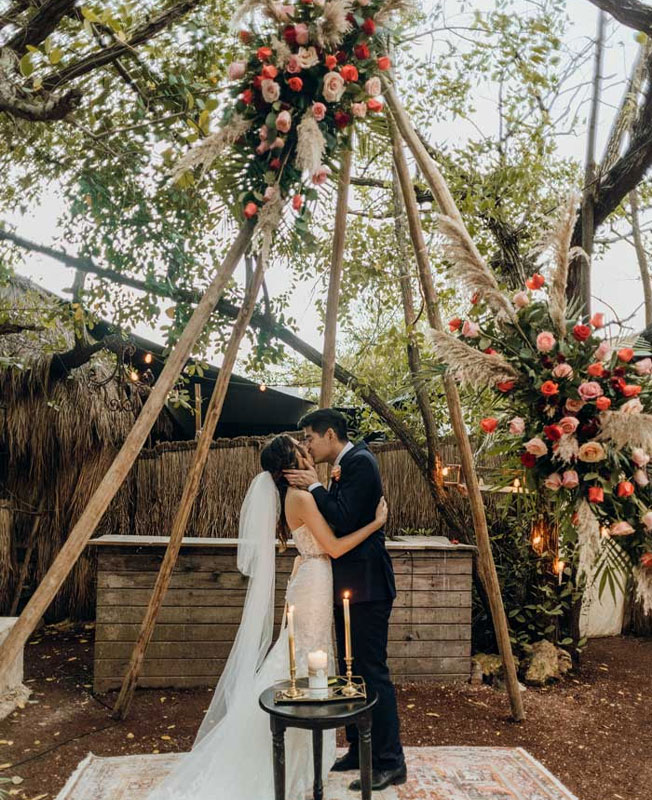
(430, 628)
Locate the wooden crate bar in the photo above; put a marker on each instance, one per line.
(429, 633)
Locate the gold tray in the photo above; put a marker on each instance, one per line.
(332, 694)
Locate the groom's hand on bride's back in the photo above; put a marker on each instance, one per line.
(302, 478)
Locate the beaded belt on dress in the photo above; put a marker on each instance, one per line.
(314, 555)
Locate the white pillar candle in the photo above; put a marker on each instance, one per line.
(318, 669)
(347, 626)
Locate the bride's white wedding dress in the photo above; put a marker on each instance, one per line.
(232, 756)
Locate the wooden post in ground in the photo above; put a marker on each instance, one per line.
(486, 565)
(190, 489)
(24, 567)
(335, 281)
(117, 472)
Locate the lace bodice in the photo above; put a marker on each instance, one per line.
(306, 543)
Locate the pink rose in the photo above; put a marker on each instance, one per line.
(621, 529)
(602, 351)
(574, 406)
(308, 57)
(333, 87)
(318, 111)
(470, 329)
(263, 133)
(591, 452)
(521, 299)
(283, 121)
(545, 342)
(262, 148)
(373, 87)
(641, 478)
(563, 371)
(271, 90)
(644, 367)
(640, 457)
(570, 479)
(294, 64)
(569, 424)
(302, 33)
(270, 193)
(237, 70)
(359, 109)
(278, 144)
(321, 176)
(633, 406)
(589, 390)
(536, 447)
(517, 426)
(363, 2)
(646, 519)
(553, 482)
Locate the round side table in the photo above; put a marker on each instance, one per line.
(317, 717)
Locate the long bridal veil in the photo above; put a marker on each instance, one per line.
(229, 756)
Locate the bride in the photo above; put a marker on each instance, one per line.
(232, 754)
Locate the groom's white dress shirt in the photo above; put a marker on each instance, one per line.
(348, 446)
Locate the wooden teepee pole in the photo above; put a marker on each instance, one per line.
(335, 281)
(486, 565)
(190, 490)
(123, 462)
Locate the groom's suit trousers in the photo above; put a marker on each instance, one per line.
(369, 627)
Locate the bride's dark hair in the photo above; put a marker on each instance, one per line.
(279, 454)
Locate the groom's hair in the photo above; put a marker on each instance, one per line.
(323, 419)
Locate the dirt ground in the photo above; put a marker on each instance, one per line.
(593, 730)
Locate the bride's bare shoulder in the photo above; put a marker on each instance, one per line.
(298, 498)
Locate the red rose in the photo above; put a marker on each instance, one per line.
(373, 104)
(625, 489)
(596, 494)
(618, 383)
(296, 84)
(269, 71)
(489, 424)
(349, 73)
(369, 27)
(581, 332)
(535, 282)
(631, 390)
(549, 388)
(297, 202)
(595, 370)
(263, 53)
(342, 119)
(341, 57)
(646, 560)
(619, 372)
(528, 460)
(474, 298)
(250, 210)
(384, 62)
(361, 51)
(257, 81)
(490, 351)
(290, 34)
(603, 403)
(330, 62)
(247, 97)
(245, 37)
(505, 386)
(275, 163)
(626, 354)
(553, 432)
(455, 324)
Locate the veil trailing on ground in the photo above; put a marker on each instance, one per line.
(256, 551)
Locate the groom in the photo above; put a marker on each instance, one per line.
(366, 573)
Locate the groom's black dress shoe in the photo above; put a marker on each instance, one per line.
(346, 763)
(382, 778)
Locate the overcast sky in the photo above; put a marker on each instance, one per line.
(615, 278)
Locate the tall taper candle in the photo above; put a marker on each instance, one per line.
(291, 637)
(347, 626)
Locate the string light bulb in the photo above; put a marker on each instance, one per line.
(263, 387)
(517, 483)
(134, 376)
(148, 358)
(445, 471)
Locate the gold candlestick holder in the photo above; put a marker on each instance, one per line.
(349, 690)
(293, 693)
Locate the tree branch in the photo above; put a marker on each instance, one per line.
(628, 12)
(11, 327)
(62, 363)
(41, 24)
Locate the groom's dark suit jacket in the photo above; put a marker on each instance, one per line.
(350, 504)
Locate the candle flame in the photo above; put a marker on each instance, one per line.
(346, 595)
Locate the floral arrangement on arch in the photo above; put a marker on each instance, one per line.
(575, 411)
(302, 83)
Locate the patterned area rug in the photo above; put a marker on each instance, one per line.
(435, 773)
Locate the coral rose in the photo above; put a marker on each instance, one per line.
(644, 366)
(553, 482)
(284, 121)
(318, 111)
(640, 457)
(297, 202)
(602, 403)
(384, 63)
(247, 97)
(517, 426)
(569, 424)
(536, 447)
(333, 87)
(621, 529)
(505, 386)
(374, 105)
(589, 390)
(591, 452)
(455, 324)
(631, 390)
(581, 332)
(625, 489)
(296, 84)
(271, 90)
(489, 424)
(570, 479)
(626, 354)
(470, 329)
(330, 61)
(263, 53)
(250, 210)
(595, 370)
(349, 73)
(535, 282)
(521, 299)
(646, 560)
(545, 342)
(373, 87)
(597, 320)
(269, 71)
(596, 494)
(563, 371)
(549, 388)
